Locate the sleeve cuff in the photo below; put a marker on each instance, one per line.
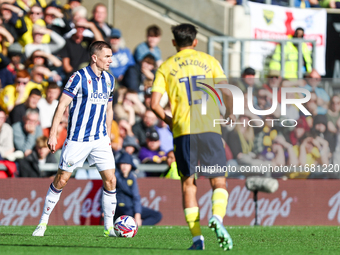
(69, 93)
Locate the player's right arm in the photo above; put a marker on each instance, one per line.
(158, 90)
(64, 101)
(70, 91)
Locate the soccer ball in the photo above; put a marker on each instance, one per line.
(125, 226)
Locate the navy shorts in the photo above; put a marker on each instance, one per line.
(200, 153)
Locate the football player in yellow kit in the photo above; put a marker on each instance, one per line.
(185, 76)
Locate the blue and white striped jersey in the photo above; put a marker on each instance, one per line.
(87, 112)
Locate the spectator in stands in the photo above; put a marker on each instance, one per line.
(26, 5)
(153, 37)
(274, 80)
(151, 152)
(165, 134)
(320, 129)
(128, 197)
(61, 134)
(291, 57)
(263, 101)
(41, 58)
(13, 19)
(48, 105)
(313, 80)
(116, 146)
(300, 129)
(99, 12)
(15, 55)
(75, 53)
(125, 131)
(35, 17)
(334, 4)
(6, 77)
(67, 9)
(55, 19)
(30, 165)
(130, 107)
(333, 114)
(6, 39)
(79, 12)
(6, 136)
(38, 33)
(141, 74)
(41, 75)
(121, 57)
(140, 128)
(172, 172)
(19, 110)
(147, 97)
(17, 93)
(269, 144)
(312, 150)
(313, 108)
(27, 131)
(247, 79)
(131, 147)
(241, 142)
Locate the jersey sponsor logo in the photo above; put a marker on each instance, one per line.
(99, 98)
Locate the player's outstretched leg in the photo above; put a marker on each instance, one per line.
(52, 198)
(109, 201)
(219, 206)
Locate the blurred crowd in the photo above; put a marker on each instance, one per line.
(42, 44)
(293, 139)
(297, 3)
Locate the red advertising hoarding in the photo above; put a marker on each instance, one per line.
(296, 202)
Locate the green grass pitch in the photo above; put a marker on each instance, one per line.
(85, 240)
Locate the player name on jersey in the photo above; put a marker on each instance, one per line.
(194, 62)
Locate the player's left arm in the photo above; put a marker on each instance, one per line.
(109, 118)
(219, 75)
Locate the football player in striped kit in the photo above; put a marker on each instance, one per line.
(89, 94)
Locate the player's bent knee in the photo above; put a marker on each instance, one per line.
(110, 183)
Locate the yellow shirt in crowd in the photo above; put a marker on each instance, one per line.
(8, 95)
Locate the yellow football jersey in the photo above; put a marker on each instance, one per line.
(181, 76)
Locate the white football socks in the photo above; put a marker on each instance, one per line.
(109, 202)
(52, 198)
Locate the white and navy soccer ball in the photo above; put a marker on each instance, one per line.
(125, 226)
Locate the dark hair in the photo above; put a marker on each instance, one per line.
(149, 58)
(153, 31)
(35, 92)
(52, 85)
(248, 71)
(98, 46)
(184, 34)
(2, 110)
(297, 29)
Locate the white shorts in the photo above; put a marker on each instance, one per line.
(98, 152)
